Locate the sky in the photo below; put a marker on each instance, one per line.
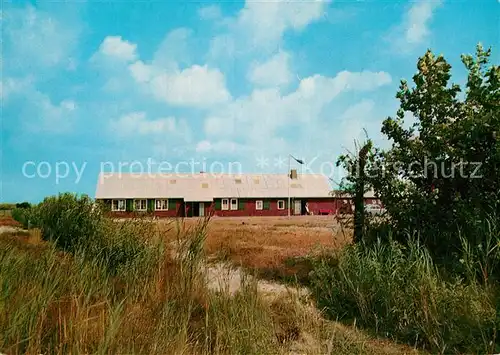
(228, 86)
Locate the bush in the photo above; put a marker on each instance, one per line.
(76, 225)
(399, 292)
(23, 216)
(68, 220)
(23, 205)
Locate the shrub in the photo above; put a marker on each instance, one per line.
(76, 225)
(68, 220)
(24, 216)
(23, 205)
(399, 292)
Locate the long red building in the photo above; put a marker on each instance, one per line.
(188, 195)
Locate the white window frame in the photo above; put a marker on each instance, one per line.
(145, 204)
(283, 202)
(235, 200)
(117, 208)
(259, 205)
(163, 204)
(225, 204)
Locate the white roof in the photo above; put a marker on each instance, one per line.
(206, 186)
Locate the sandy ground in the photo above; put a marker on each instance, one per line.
(225, 277)
(8, 229)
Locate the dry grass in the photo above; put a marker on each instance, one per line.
(7, 220)
(270, 246)
(57, 304)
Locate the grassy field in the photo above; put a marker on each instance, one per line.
(273, 247)
(54, 303)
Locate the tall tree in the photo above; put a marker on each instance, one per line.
(442, 173)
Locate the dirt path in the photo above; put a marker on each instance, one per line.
(226, 277)
(325, 337)
(9, 229)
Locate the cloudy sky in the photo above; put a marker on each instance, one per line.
(88, 85)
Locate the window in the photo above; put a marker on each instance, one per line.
(237, 181)
(161, 205)
(204, 185)
(281, 204)
(140, 205)
(234, 204)
(259, 205)
(225, 204)
(118, 205)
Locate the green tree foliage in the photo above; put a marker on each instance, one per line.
(441, 177)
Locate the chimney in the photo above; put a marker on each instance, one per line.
(293, 174)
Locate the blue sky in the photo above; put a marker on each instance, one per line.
(89, 85)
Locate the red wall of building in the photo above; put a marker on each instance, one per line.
(249, 210)
(128, 214)
(316, 206)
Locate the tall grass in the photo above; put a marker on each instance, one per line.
(54, 302)
(399, 292)
(90, 284)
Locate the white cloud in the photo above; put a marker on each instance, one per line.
(219, 147)
(257, 118)
(174, 50)
(321, 89)
(56, 118)
(268, 21)
(10, 86)
(274, 72)
(135, 123)
(261, 24)
(219, 125)
(35, 109)
(69, 105)
(140, 71)
(34, 39)
(203, 147)
(210, 12)
(417, 23)
(355, 119)
(42, 115)
(194, 86)
(118, 48)
(414, 28)
(161, 78)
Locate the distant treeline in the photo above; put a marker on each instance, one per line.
(11, 206)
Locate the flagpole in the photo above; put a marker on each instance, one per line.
(289, 178)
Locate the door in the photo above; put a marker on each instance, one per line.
(297, 207)
(202, 209)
